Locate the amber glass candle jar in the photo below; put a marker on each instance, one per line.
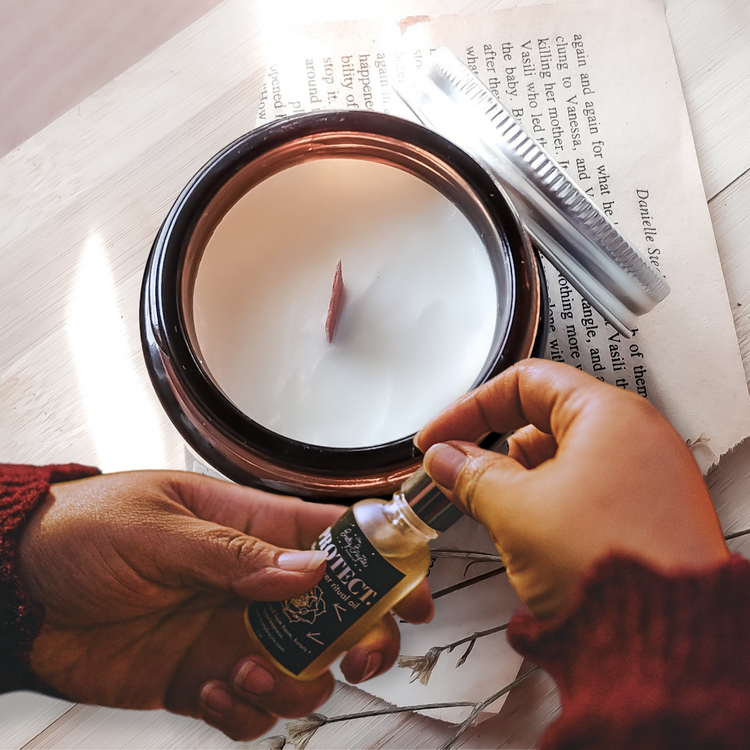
(412, 181)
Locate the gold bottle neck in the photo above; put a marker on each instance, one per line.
(400, 514)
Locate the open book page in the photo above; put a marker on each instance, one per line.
(596, 84)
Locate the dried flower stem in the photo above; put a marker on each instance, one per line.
(301, 731)
(472, 639)
(400, 710)
(477, 557)
(468, 582)
(479, 707)
(475, 636)
(422, 666)
(474, 558)
(466, 555)
(735, 534)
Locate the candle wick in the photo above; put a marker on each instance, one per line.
(336, 304)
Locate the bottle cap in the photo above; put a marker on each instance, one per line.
(566, 225)
(426, 500)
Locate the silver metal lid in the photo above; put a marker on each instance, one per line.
(428, 502)
(567, 226)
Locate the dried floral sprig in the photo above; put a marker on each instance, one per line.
(422, 666)
(480, 707)
(275, 742)
(702, 439)
(300, 731)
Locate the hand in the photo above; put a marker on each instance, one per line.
(592, 469)
(145, 577)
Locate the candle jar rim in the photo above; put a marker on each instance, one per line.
(231, 441)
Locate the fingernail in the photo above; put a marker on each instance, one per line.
(303, 561)
(373, 665)
(444, 463)
(253, 678)
(216, 698)
(360, 665)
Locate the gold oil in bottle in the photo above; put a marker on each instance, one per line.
(377, 553)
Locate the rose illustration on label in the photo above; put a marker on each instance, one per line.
(306, 607)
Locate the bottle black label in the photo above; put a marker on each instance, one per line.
(296, 631)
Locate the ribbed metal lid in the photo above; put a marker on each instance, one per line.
(567, 226)
(426, 500)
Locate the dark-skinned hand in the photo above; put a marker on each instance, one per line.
(145, 577)
(591, 470)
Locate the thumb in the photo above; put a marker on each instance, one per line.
(473, 479)
(206, 556)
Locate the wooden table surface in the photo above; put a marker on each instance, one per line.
(74, 236)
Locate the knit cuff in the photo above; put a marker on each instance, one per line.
(648, 660)
(22, 489)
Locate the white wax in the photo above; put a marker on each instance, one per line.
(416, 327)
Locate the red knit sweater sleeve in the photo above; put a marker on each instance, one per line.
(22, 489)
(648, 661)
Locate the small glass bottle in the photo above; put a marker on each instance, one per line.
(378, 552)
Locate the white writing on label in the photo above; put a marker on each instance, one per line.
(337, 565)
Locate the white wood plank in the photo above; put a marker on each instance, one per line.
(94, 728)
(730, 482)
(24, 715)
(100, 249)
(61, 51)
(219, 55)
(711, 39)
(730, 489)
(731, 220)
